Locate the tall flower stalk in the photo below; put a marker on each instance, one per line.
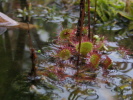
(80, 26)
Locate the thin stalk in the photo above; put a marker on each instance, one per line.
(33, 59)
(89, 33)
(32, 55)
(29, 36)
(95, 16)
(81, 17)
(80, 26)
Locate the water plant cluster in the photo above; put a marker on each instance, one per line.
(79, 64)
(69, 64)
(78, 53)
(78, 57)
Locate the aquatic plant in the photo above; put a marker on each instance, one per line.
(80, 51)
(91, 57)
(77, 56)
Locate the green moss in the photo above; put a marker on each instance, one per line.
(86, 47)
(65, 34)
(65, 54)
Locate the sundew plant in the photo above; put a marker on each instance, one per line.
(78, 53)
(66, 55)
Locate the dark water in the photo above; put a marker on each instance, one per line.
(15, 64)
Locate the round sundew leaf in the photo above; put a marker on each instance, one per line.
(94, 60)
(107, 63)
(64, 54)
(86, 47)
(65, 33)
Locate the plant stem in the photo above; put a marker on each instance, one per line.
(32, 55)
(89, 33)
(80, 27)
(33, 59)
(29, 36)
(95, 17)
(81, 18)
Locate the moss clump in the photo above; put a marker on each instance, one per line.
(86, 47)
(94, 60)
(65, 34)
(65, 54)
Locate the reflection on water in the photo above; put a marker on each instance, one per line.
(10, 67)
(43, 35)
(15, 64)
